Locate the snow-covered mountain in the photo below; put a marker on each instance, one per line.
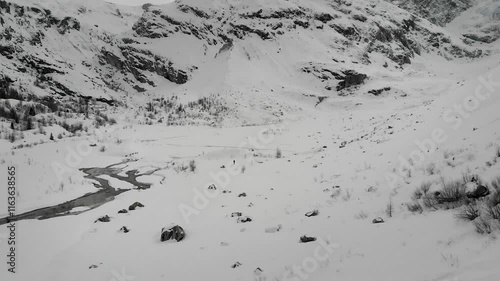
(116, 53)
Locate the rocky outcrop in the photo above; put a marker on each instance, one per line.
(40, 65)
(241, 31)
(481, 38)
(438, 12)
(351, 78)
(67, 24)
(135, 61)
(377, 92)
(105, 218)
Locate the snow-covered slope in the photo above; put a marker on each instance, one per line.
(101, 50)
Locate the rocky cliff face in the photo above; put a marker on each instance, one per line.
(439, 12)
(100, 50)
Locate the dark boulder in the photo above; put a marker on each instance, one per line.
(236, 214)
(351, 78)
(379, 91)
(312, 213)
(244, 219)
(323, 17)
(123, 211)
(124, 229)
(105, 218)
(476, 191)
(67, 24)
(135, 205)
(306, 239)
(378, 220)
(172, 233)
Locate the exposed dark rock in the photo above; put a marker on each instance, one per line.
(359, 17)
(351, 78)
(438, 12)
(484, 39)
(280, 14)
(106, 101)
(236, 214)
(105, 218)
(139, 89)
(188, 9)
(306, 239)
(135, 205)
(409, 24)
(172, 233)
(136, 60)
(40, 65)
(122, 211)
(244, 219)
(324, 17)
(303, 24)
(7, 51)
(378, 220)
(124, 229)
(348, 32)
(242, 194)
(241, 30)
(475, 191)
(312, 213)
(379, 91)
(236, 264)
(67, 24)
(111, 59)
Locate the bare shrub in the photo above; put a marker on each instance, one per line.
(469, 213)
(431, 169)
(467, 177)
(493, 212)
(361, 215)
(389, 210)
(347, 196)
(278, 153)
(422, 190)
(483, 226)
(192, 166)
(414, 207)
(430, 201)
(452, 192)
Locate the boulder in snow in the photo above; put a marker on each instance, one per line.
(105, 218)
(474, 190)
(312, 213)
(174, 232)
(135, 205)
(244, 219)
(306, 239)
